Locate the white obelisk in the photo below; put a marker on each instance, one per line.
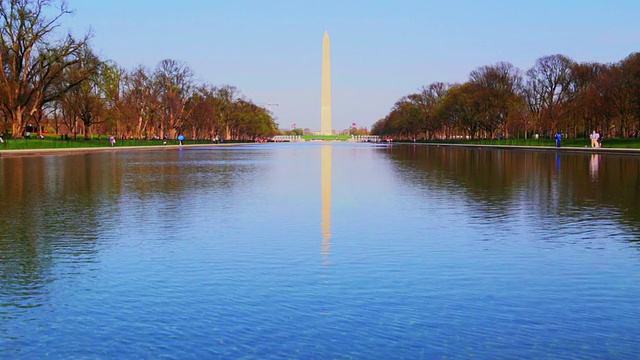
(325, 118)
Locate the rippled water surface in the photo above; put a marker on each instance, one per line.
(318, 251)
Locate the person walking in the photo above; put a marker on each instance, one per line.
(558, 139)
(112, 140)
(599, 140)
(594, 139)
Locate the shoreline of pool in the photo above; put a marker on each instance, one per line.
(628, 151)
(85, 150)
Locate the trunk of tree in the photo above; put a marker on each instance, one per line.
(37, 118)
(55, 120)
(16, 118)
(86, 131)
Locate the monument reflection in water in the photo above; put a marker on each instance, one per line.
(326, 163)
(224, 253)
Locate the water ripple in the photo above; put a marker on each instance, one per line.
(429, 253)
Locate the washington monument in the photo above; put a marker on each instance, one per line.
(325, 118)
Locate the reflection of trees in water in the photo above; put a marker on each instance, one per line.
(557, 184)
(49, 211)
(157, 187)
(56, 210)
(173, 173)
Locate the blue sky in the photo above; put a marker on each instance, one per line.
(381, 50)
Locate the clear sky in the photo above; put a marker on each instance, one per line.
(381, 50)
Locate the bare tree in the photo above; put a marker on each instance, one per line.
(141, 104)
(627, 95)
(112, 84)
(204, 118)
(85, 102)
(497, 87)
(428, 101)
(227, 96)
(32, 59)
(549, 89)
(175, 81)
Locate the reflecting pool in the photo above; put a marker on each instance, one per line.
(319, 251)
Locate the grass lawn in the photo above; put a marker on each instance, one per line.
(56, 143)
(52, 142)
(326, 137)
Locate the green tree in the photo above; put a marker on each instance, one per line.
(460, 110)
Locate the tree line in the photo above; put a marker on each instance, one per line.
(49, 81)
(556, 95)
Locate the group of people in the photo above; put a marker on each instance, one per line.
(112, 140)
(596, 139)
